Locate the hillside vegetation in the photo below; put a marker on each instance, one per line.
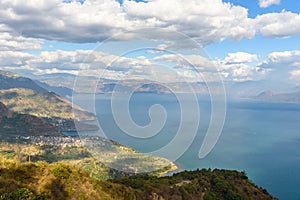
(48, 104)
(75, 152)
(10, 80)
(13, 124)
(60, 181)
(57, 181)
(204, 184)
(69, 171)
(25, 96)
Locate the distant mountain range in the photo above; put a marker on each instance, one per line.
(281, 97)
(65, 84)
(61, 84)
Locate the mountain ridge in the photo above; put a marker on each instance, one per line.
(23, 95)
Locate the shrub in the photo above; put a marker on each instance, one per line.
(62, 171)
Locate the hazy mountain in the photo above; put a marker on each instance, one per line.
(258, 89)
(60, 90)
(279, 97)
(56, 79)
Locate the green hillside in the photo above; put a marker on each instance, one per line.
(204, 184)
(73, 150)
(60, 181)
(32, 181)
(67, 170)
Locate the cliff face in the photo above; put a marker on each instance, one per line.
(12, 124)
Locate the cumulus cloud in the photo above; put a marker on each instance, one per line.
(12, 41)
(267, 3)
(234, 67)
(14, 58)
(206, 21)
(295, 73)
(239, 72)
(166, 67)
(240, 57)
(93, 63)
(288, 57)
(283, 24)
(283, 66)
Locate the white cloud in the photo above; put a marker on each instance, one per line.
(283, 24)
(240, 57)
(235, 67)
(11, 41)
(283, 66)
(206, 21)
(239, 71)
(176, 67)
(92, 63)
(295, 73)
(295, 77)
(290, 57)
(267, 3)
(14, 58)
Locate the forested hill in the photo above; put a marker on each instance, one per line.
(60, 181)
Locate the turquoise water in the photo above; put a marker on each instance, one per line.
(261, 138)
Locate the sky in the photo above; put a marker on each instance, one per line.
(237, 39)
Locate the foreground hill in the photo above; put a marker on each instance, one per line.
(200, 184)
(60, 181)
(14, 124)
(62, 168)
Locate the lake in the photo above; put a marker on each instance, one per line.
(261, 138)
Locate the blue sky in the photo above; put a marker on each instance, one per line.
(245, 40)
(254, 9)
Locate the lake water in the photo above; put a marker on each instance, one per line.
(261, 138)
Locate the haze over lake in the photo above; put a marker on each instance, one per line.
(261, 138)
